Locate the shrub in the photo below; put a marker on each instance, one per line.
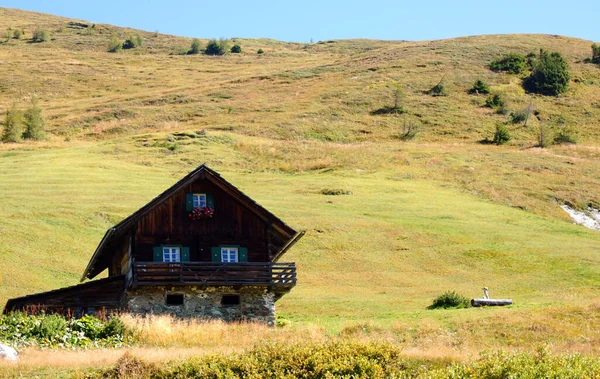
(13, 125)
(550, 75)
(494, 101)
(450, 299)
(18, 33)
(565, 135)
(596, 53)
(196, 47)
(215, 47)
(260, 51)
(40, 36)
(438, 90)
(519, 116)
(236, 49)
(114, 45)
(501, 135)
(545, 136)
(34, 122)
(133, 41)
(479, 87)
(511, 63)
(409, 131)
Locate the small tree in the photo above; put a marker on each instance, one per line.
(133, 41)
(18, 33)
(595, 53)
(545, 136)
(215, 47)
(260, 51)
(494, 101)
(40, 36)
(195, 47)
(502, 135)
(13, 125)
(236, 49)
(550, 75)
(34, 122)
(438, 89)
(114, 45)
(479, 87)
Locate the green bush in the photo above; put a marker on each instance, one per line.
(133, 41)
(260, 51)
(215, 47)
(114, 45)
(195, 47)
(18, 329)
(595, 53)
(34, 122)
(501, 135)
(18, 33)
(519, 116)
(438, 90)
(450, 299)
(479, 87)
(494, 101)
(13, 125)
(550, 75)
(565, 135)
(40, 36)
(236, 49)
(511, 63)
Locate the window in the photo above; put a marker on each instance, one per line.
(229, 254)
(199, 200)
(171, 254)
(230, 300)
(174, 299)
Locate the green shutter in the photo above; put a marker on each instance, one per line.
(210, 201)
(189, 202)
(185, 254)
(243, 254)
(157, 254)
(215, 253)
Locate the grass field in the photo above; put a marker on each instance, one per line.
(441, 212)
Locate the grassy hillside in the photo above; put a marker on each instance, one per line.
(441, 212)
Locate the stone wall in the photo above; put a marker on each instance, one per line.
(256, 304)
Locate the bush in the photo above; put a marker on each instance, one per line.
(494, 101)
(260, 51)
(501, 135)
(40, 36)
(236, 49)
(479, 87)
(409, 131)
(215, 47)
(511, 63)
(18, 33)
(13, 125)
(517, 117)
(196, 47)
(450, 299)
(596, 53)
(34, 122)
(550, 75)
(545, 136)
(114, 45)
(133, 41)
(565, 135)
(438, 90)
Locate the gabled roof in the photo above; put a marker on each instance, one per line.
(94, 267)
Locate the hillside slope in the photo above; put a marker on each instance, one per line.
(437, 213)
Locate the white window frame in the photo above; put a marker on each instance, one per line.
(226, 254)
(199, 200)
(171, 254)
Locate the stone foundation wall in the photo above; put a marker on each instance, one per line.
(256, 304)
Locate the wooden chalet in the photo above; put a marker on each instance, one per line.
(200, 249)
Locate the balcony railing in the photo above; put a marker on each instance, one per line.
(278, 275)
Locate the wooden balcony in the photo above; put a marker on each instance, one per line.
(275, 275)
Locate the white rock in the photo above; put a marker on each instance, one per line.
(8, 353)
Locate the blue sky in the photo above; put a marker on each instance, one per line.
(302, 21)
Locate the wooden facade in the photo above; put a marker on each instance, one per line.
(237, 243)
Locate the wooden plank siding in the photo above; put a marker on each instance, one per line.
(231, 224)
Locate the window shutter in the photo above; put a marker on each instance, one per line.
(243, 254)
(189, 202)
(157, 254)
(215, 253)
(185, 254)
(210, 201)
